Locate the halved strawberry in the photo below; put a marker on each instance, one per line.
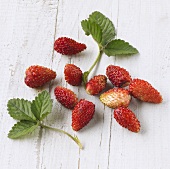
(118, 76)
(73, 74)
(37, 76)
(126, 118)
(144, 91)
(68, 46)
(96, 84)
(81, 115)
(66, 97)
(116, 97)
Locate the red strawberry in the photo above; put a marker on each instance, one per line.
(37, 76)
(144, 91)
(126, 118)
(116, 97)
(67, 46)
(66, 97)
(96, 84)
(118, 76)
(73, 74)
(82, 114)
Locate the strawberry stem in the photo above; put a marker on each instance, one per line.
(96, 61)
(85, 74)
(75, 138)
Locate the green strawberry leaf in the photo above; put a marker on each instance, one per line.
(106, 25)
(119, 47)
(85, 27)
(42, 105)
(20, 109)
(92, 29)
(22, 128)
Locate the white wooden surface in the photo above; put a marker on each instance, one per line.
(27, 33)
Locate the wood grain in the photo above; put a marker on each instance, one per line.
(28, 30)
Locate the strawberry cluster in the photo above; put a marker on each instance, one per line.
(117, 98)
(37, 76)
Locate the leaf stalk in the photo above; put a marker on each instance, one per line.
(86, 74)
(75, 138)
(96, 61)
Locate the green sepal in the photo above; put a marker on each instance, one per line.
(85, 76)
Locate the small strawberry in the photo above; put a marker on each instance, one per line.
(126, 118)
(116, 97)
(67, 46)
(81, 115)
(66, 97)
(73, 75)
(96, 84)
(144, 91)
(37, 76)
(118, 76)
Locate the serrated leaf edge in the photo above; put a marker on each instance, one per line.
(106, 18)
(125, 43)
(15, 125)
(90, 28)
(42, 116)
(24, 113)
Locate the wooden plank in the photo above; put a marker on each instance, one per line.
(28, 31)
(145, 24)
(94, 137)
(26, 39)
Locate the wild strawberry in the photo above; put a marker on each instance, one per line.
(73, 75)
(37, 76)
(144, 91)
(126, 118)
(82, 114)
(67, 46)
(96, 84)
(116, 97)
(118, 76)
(66, 97)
